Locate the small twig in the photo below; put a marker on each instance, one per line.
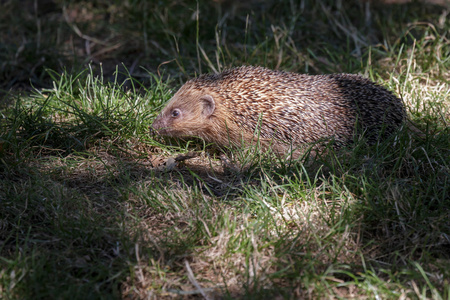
(193, 292)
(186, 156)
(163, 63)
(194, 281)
(78, 31)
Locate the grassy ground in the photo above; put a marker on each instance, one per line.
(93, 206)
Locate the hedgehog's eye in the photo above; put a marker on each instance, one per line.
(176, 113)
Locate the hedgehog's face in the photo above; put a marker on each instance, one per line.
(186, 114)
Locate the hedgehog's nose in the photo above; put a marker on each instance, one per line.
(156, 124)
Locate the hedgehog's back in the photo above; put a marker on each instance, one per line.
(291, 108)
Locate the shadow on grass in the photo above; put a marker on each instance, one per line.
(392, 222)
(71, 225)
(314, 37)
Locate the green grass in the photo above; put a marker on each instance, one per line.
(93, 205)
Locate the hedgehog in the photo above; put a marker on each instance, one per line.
(280, 110)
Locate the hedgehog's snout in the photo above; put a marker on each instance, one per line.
(158, 124)
(162, 125)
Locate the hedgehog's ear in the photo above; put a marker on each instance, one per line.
(208, 104)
